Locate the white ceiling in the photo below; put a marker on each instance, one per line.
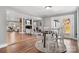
(42, 12)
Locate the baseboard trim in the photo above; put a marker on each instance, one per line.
(70, 38)
(3, 45)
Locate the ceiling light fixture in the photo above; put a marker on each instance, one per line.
(48, 7)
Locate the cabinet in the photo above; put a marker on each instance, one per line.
(28, 26)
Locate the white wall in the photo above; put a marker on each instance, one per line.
(13, 15)
(2, 26)
(78, 23)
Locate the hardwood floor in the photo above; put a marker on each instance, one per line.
(22, 43)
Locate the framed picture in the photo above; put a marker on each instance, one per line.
(67, 24)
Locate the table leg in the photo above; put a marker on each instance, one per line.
(44, 42)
